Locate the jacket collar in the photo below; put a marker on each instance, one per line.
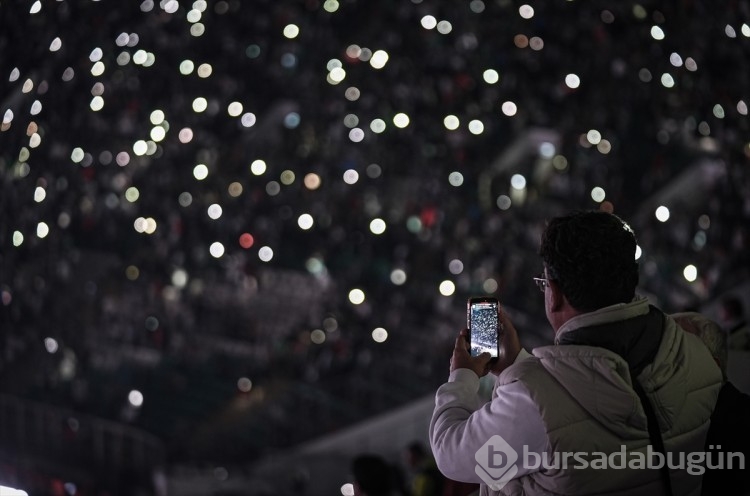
(613, 313)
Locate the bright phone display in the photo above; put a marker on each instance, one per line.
(483, 325)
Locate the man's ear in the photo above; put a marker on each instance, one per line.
(557, 298)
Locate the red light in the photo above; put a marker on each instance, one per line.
(246, 240)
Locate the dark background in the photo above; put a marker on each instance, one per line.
(226, 352)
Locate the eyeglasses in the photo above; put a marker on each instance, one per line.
(541, 283)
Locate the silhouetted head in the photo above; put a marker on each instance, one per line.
(372, 476)
(591, 257)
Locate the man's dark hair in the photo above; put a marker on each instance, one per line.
(591, 257)
(373, 474)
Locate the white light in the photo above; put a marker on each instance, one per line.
(135, 398)
(526, 11)
(97, 103)
(214, 211)
(690, 273)
(491, 76)
(171, 6)
(186, 67)
(517, 181)
(730, 32)
(594, 137)
(200, 104)
(140, 148)
(291, 31)
(377, 226)
(10, 491)
(401, 120)
(332, 64)
(244, 384)
(97, 69)
(455, 266)
(745, 30)
(351, 176)
(356, 296)
(248, 119)
(379, 59)
(305, 221)
(265, 254)
(337, 74)
(356, 135)
(456, 178)
(347, 490)
(398, 277)
(39, 194)
(476, 127)
(258, 167)
(444, 27)
(547, 150)
(657, 33)
(216, 249)
(17, 238)
(42, 229)
(318, 336)
(50, 344)
(200, 172)
(194, 16)
(598, 194)
(428, 22)
(509, 108)
(489, 286)
(662, 213)
(150, 225)
(158, 133)
(379, 335)
(447, 288)
(234, 109)
(675, 59)
(451, 122)
(179, 278)
(185, 135)
(140, 57)
(377, 126)
(667, 80)
(638, 252)
(572, 81)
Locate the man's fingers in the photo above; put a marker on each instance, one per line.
(461, 341)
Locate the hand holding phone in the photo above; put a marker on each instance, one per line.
(482, 322)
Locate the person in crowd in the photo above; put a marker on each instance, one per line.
(732, 316)
(621, 388)
(730, 430)
(426, 479)
(373, 476)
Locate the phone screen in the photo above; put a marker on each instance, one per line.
(483, 327)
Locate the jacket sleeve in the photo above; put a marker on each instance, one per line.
(460, 427)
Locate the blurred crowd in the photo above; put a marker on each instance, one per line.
(236, 331)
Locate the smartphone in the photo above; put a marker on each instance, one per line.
(482, 321)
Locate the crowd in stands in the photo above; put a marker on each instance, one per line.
(111, 277)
